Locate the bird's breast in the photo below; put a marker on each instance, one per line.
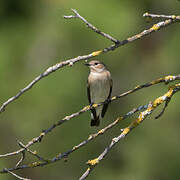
(99, 87)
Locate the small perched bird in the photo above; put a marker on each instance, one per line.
(99, 88)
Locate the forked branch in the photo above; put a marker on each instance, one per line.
(72, 61)
(146, 109)
(142, 116)
(64, 155)
(37, 139)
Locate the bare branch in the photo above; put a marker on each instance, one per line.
(77, 15)
(92, 163)
(165, 79)
(164, 108)
(21, 159)
(34, 153)
(12, 153)
(15, 175)
(173, 17)
(72, 61)
(142, 116)
(81, 144)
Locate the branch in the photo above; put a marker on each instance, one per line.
(165, 80)
(173, 17)
(92, 163)
(77, 15)
(15, 175)
(72, 61)
(81, 144)
(34, 153)
(149, 108)
(163, 110)
(142, 116)
(21, 159)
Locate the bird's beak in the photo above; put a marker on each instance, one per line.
(87, 64)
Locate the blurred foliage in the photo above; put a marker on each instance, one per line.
(34, 36)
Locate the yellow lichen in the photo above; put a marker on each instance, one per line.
(158, 101)
(140, 118)
(42, 134)
(86, 108)
(146, 14)
(95, 105)
(156, 81)
(149, 108)
(173, 17)
(101, 131)
(96, 53)
(138, 86)
(169, 78)
(113, 98)
(143, 115)
(155, 27)
(161, 99)
(177, 85)
(75, 147)
(169, 93)
(126, 131)
(93, 162)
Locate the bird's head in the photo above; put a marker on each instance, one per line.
(96, 66)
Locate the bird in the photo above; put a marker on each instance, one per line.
(99, 89)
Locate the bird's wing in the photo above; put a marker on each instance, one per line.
(106, 105)
(90, 102)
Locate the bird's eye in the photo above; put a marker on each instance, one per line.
(96, 63)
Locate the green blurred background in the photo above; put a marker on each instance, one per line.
(34, 36)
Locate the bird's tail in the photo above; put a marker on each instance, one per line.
(95, 122)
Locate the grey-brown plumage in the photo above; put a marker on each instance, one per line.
(99, 88)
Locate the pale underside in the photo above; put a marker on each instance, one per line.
(100, 84)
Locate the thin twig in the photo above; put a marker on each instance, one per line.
(164, 108)
(81, 144)
(34, 153)
(142, 116)
(173, 17)
(165, 79)
(15, 175)
(89, 25)
(72, 61)
(21, 159)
